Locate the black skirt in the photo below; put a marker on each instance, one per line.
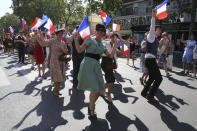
(109, 76)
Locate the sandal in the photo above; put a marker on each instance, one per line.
(152, 99)
(109, 98)
(92, 114)
(141, 81)
(43, 76)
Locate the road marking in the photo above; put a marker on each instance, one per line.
(3, 78)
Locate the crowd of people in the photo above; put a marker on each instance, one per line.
(156, 49)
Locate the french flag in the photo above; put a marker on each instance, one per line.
(106, 19)
(162, 10)
(115, 27)
(84, 29)
(37, 24)
(107, 33)
(126, 49)
(49, 26)
(23, 23)
(11, 30)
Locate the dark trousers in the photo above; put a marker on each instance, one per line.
(21, 55)
(76, 65)
(155, 77)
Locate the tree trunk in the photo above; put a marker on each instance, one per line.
(193, 16)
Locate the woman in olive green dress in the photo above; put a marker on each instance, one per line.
(90, 75)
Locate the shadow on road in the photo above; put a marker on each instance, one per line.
(76, 103)
(50, 109)
(119, 95)
(181, 83)
(167, 100)
(171, 121)
(119, 122)
(97, 125)
(29, 88)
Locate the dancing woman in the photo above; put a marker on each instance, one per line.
(90, 76)
(57, 67)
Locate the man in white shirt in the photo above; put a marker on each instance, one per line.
(155, 77)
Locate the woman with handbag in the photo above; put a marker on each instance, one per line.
(57, 67)
(90, 75)
(109, 64)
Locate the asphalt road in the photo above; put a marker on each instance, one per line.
(27, 104)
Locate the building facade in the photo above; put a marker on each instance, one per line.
(136, 17)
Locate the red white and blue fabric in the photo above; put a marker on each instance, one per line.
(11, 30)
(126, 49)
(107, 33)
(162, 10)
(3, 31)
(49, 26)
(115, 27)
(37, 24)
(84, 29)
(23, 23)
(106, 19)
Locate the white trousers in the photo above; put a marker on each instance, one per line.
(170, 62)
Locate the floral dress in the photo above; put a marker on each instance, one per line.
(57, 68)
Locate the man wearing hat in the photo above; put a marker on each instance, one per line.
(20, 41)
(76, 58)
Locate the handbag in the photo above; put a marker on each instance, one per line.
(195, 56)
(108, 63)
(63, 57)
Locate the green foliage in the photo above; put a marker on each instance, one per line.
(74, 13)
(111, 6)
(108, 6)
(9, 20)
(29, 9)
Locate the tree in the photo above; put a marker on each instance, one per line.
(109, 6)
(29, 9)
(10, 20)
(112, 6)
(74, 13)
(93, 6)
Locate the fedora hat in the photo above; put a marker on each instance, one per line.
(59, 30)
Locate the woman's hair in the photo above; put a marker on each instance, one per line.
(164, 34)
(60, 31)
(100, 27)
(113, 35)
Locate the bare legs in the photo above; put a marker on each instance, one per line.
(133, 58)
(128, 59)
(186, 66)
(43, 70)
(56, 88)
(93, 98)
(109, 87)
(165, 68)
